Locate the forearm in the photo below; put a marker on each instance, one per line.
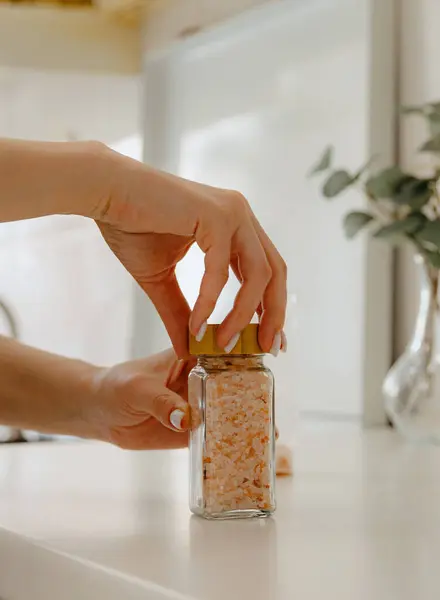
(42, 391)
(45, 178)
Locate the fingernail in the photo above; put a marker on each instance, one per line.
(283, 342)
(176, 418)
(275, 350)
(232, 343)
(201, 333)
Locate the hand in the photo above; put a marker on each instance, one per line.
(142, 404)
(139, 404)
(150, 220)
(132, 403)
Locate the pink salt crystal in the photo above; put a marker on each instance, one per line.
(237, 451)
(284, 460)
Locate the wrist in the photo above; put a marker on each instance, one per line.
(44, 392)
(93, 164)
(74, 400)
(47, 178)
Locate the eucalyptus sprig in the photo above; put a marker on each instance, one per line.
(401, 206)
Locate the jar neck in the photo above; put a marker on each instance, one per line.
(227, 361)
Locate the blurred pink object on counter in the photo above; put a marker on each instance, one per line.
(284, 460)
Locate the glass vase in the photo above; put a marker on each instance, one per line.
(411, 388)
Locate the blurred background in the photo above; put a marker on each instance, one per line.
(241, 94)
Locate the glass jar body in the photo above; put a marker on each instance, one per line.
(232, 440)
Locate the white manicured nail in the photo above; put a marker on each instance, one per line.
(275, 350)
(232, 343)
(283, 342)
(201, 333)
(176, 418)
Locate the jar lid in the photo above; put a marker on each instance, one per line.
(247, 342)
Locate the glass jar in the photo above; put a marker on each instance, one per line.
(232, 440)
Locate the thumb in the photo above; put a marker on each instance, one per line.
(167, 407)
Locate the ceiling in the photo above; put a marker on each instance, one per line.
(61, 3)
(127, 8)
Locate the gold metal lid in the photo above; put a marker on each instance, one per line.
(247, 342)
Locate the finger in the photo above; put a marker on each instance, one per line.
(180, 386)
(175, 373)
(173, 309)
(256, 274)
(271, 335)
(163, 404)
(150, 435)
(214, 280)
(236, 270)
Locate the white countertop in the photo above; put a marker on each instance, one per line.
(360, 520)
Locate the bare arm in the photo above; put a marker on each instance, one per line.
(45, 178)
(150, 219)
(139, 404)
(44, 392)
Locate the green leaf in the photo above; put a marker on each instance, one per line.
(430, 233)
(384, 183)
(324, 162)
(432, 145)
(434, 123)
(433, 258)
(435, 106)
(337, 183)
(354, 222)
(413, 192)
(364, 168)
(407, 226)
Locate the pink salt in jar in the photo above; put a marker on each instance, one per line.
(232, 441)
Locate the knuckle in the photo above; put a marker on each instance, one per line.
(236, 204)
(265, 272)
(239, 203)
(223, 218)
(159, 402)
(96, 148)
(237, 198)
(208, 300)
(222, 276)
(282, 268)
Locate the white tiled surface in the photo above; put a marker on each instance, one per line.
(359, 520)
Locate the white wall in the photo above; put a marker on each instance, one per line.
(69, 294)
(250, 105)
